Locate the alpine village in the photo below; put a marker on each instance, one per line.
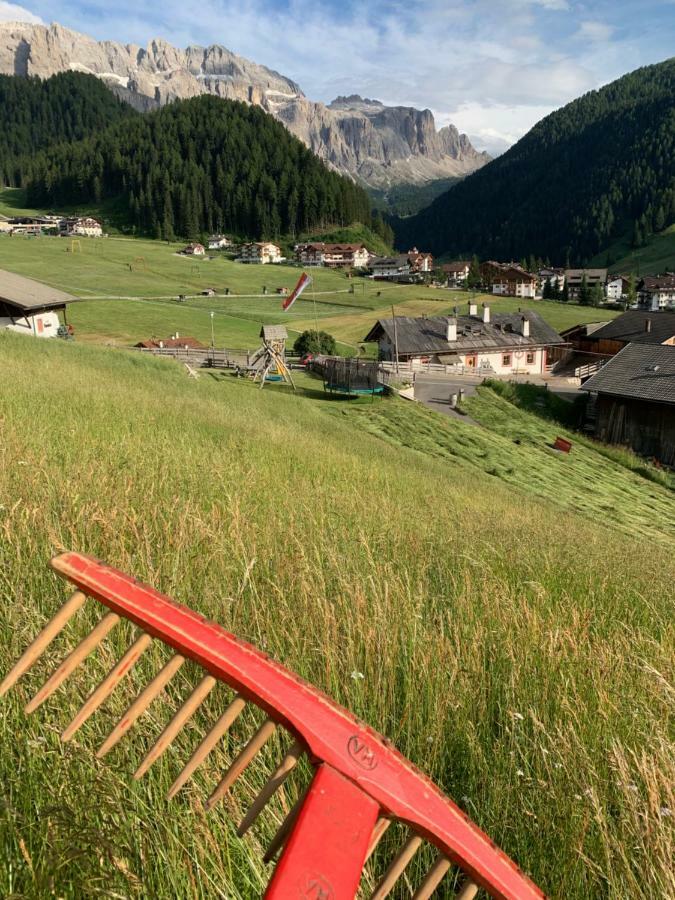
(337, 496)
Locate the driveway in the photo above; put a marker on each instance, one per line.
(435, 391)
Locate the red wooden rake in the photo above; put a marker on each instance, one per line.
(360, 782)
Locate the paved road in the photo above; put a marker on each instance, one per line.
(434, 390)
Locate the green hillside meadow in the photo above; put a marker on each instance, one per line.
(509, 609)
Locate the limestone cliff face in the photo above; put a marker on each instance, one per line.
(376, 144)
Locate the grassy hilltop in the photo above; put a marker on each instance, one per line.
(509, 609)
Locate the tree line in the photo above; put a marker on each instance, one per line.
(36, 114)
(600, 168)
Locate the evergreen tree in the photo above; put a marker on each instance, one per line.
(584, 295)
(474, 278)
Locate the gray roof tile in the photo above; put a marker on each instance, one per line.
(640, 371)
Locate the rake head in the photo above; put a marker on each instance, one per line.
(360, 783)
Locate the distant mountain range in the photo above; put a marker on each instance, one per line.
(378, 145)
(597, 171)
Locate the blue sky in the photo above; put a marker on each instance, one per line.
(492, 67)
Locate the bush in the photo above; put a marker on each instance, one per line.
(316, 342)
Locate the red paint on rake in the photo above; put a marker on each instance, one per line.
(360, 779)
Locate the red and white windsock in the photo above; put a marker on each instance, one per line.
(303, 282)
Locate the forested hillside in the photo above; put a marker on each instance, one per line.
(200, 165)
(36, 114)
(600, 167)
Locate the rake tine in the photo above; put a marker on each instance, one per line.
(72, 661)
(257, 742)
(182, 715)
(45, 637)
(140, 704)
(208, 743)
(433, 878)
(280, 775)
(378, 833)
(396, 868)
(279, 838)
(468, 891)
(108, 685)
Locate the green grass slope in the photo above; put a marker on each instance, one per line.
(512, 644)
(132, 286)
(656, 256)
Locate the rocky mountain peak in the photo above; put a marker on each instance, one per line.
(376, 144)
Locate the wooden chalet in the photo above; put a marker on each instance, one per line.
(635, 400)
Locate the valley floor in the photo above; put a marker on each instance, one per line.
(128, 290)
(510, 611)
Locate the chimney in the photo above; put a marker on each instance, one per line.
(451, 331)
(473, 309)
(526, 326)
(486, 314)
(648, 325)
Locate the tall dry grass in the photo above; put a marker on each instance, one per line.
(518, 652)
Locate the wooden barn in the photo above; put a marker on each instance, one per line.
(635, 400)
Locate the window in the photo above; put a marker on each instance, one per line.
(506, 359)
(530, 358)
(472, 362)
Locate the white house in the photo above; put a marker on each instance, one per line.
(616, 288)
(83, 226)
(503, 344)
(657, 292)
(261, 252)
(219, 242)
(29, 307)
(457, 272)
(333, 256)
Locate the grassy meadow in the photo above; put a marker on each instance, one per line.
(127, 290)
(510, 611)
(657, 255)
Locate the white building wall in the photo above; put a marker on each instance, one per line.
(42, 325)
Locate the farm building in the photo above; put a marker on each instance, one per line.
(635, 400)
(29, 307)
(632, 327)
(506, 343)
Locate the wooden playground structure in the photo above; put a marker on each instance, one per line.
(268, 363)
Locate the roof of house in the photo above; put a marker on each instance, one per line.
(460, 265)
(180, 341)
(574, 275)
(401, 260)
(274, 333)
(583, 329)
(658, 283)
(632, 326)
(429, 335)
(638, 371)
(27, 294)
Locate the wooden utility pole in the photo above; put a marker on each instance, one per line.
(393, 315)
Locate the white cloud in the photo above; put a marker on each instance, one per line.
(11, 12)
(598, 32)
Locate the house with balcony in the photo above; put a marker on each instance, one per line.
(260, 252)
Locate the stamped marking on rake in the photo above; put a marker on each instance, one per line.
(360, 784)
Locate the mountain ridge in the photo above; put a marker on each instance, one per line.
(378, 146)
